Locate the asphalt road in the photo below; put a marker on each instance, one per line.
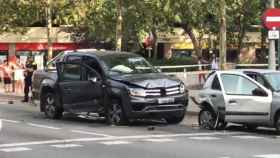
(26, 133)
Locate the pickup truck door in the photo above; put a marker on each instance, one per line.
(80, 87)
(246, 100)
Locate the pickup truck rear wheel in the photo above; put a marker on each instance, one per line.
(206, 119)
(50, 107)
(116, 115)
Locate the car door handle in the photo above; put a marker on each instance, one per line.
(232, 101)
(213, 96)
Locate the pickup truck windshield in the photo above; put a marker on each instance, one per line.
(120, 65)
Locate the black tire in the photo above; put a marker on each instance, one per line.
(222, 125)
(277, 123)
(50, 106)
(251, 127)
(206, 119)
(175, 119)
(116, 115)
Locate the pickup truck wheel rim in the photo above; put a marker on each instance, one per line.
(50, 109)
(116, 114)
(206, 119)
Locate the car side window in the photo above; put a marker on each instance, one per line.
(237, 85)
(70, 72)
(74, 59)
(89, 73)
(216, 84)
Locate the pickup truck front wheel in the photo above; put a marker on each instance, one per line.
(115, 114)
(50, 107)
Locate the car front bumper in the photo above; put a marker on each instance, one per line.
(150, 107)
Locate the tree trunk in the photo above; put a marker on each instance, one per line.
(194, 40)
(119, 33)
(155, 43)
(223, 35)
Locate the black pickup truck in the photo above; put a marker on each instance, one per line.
(119, 86)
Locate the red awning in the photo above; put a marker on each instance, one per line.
(44, 46)
(4, 46)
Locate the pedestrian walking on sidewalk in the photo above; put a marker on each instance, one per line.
(214, 62)
(7, 77)
(201, 73)
(30, 67)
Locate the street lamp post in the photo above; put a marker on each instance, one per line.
(271, 56)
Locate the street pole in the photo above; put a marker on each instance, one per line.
(271, 56)
(49, 30)
(223, 35)
(119, 26)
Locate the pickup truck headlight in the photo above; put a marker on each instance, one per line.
(182, 88)
(137, 92)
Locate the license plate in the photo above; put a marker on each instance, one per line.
(165, 100)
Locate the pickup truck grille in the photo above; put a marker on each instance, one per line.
(160, 92)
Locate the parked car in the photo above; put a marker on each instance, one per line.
(232, 96)
(117, 85)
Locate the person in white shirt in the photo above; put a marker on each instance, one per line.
(214, 63)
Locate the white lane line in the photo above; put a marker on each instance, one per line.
(115, 142)
(268, 156)
(66, 145)
(43, 126)
(10, 121)
(114, 138)
(91, 133)
(15, 149)
(204, 138)
(248, 137)
(159, 140)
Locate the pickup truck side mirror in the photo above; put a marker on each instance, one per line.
(259, 92)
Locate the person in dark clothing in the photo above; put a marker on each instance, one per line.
(30, 67)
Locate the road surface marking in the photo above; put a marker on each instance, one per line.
(248, 137)
(160, 140)
(57, 141)
(15, 149)
(115, 142)
(43, 126)
(0, 125)
(204, 138)
(10, 121)
(268, 156)
(91, 133)
(66, 145)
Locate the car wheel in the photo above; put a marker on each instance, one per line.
(116, 114)
(175, 119)
(206, 119)
(50, 108)
(222, 125)
(277, 123)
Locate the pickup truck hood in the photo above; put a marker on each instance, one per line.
(153, 80)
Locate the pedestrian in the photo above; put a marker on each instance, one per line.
(19, 77)
(7, 77)
(214, 62)
(201, 74)
(30, 67)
